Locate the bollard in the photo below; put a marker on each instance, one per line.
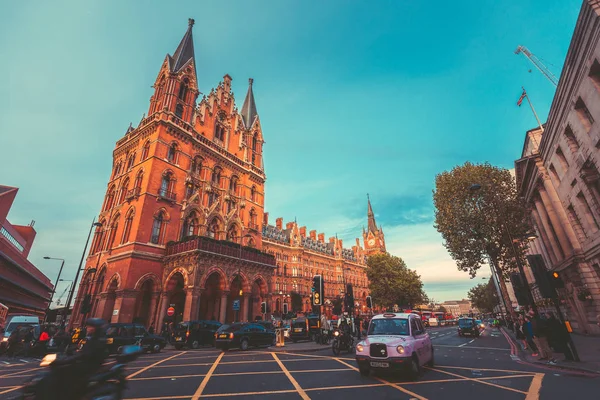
(280, 340)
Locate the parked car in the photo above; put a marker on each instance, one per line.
(243, 336)
(193, 334)
(123, 334)
(303, 328)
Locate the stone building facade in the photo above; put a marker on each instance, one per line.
(301, 255)
(558, 175)
(181, 226)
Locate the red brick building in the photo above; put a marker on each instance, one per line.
(301, 255)
(23, 288)
(187, 187)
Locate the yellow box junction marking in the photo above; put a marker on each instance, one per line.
(154, 365)
(534, 389)
(298, 388)
(207, 378)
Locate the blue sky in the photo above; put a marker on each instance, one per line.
(354, 97)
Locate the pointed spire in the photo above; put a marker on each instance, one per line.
(185, 50)
(371, 216)
(249, 112)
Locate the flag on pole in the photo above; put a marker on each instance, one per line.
(520, 101)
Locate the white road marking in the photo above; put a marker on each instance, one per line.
(6, 362)
(464, 344)
(25, 361)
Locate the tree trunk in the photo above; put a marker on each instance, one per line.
(503, 288)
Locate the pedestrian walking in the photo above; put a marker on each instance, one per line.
(519, 332)
(540, 336)
(358, 322)
(528, 331)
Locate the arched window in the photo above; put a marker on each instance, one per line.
(166, 185)
(145, 150)
(117, 169)
(219, 132)
(213, 229)
(138, 182)
(253, 219)
(232, 234)
(253, 193)
(172, 154)
(179, 111)
(110, 243)
(127, 227)
(124, 189)
(196, 168)
(183, 89)
(216, 176)
(130, 161)
(158, 228)
(190, 225)
(98, 236)
(110, 199)
(233, 185)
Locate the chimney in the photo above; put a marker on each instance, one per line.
(266, 218)
(303, 231)
(279, 223)
(332, 239)
(322, 237)
(313, 235)
(357, 242)
(289, 225)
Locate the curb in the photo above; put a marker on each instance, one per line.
(524, 356)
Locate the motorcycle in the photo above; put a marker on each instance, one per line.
(105, 384)
(342, 341)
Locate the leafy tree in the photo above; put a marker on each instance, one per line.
(391, 282)
(478, 224)
(484, 297)
(296, 300)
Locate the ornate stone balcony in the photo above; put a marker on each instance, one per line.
(219, 247)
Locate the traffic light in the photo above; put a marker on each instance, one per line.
(542, 276)
(86, 305)
(556, 280)
(349, 297)
(318, 290)
(519, 288)
(263, 307)
(369, 302)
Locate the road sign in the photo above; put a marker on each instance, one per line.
(170, 311)
(236, 305)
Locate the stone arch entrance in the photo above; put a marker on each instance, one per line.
(258, 294)
(237, 292)
(143, 304)
(176, 297)
(212, 298)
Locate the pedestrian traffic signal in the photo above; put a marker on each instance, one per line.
(556, 280)
(318, 290)
(263, 307)
(369, 302)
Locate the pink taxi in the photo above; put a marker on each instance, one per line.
(395, 342)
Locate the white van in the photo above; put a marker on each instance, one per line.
(14, 321)
(433, 321)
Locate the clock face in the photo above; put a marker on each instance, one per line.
(371, 242)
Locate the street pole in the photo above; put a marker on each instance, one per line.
(62, 264)
(239, 275)
(72, 291)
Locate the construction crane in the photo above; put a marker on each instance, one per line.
(61, 296)
(538, 64)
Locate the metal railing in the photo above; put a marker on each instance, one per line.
(220, 247)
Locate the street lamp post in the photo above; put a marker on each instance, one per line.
(72, 291)
(62, 264)
(65, 313)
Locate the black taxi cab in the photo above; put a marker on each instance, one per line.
(123, 334)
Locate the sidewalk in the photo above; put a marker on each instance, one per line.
(588, 348)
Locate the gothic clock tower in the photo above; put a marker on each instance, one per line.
(374, 240)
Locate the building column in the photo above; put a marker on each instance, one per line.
(125, 304)
(154, 304)
(223, 311)
(559, 226)
(564, 223)
(545, 223)
(190, 310)
(162, 310)
(244, 306)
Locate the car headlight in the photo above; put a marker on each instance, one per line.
(359, 348)
(5, 339)
(336, 333)
(400, 349)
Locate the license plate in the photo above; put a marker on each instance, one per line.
(380, 364)
(222, 336)
(297, 329)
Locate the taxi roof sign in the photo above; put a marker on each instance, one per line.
(389, 315)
